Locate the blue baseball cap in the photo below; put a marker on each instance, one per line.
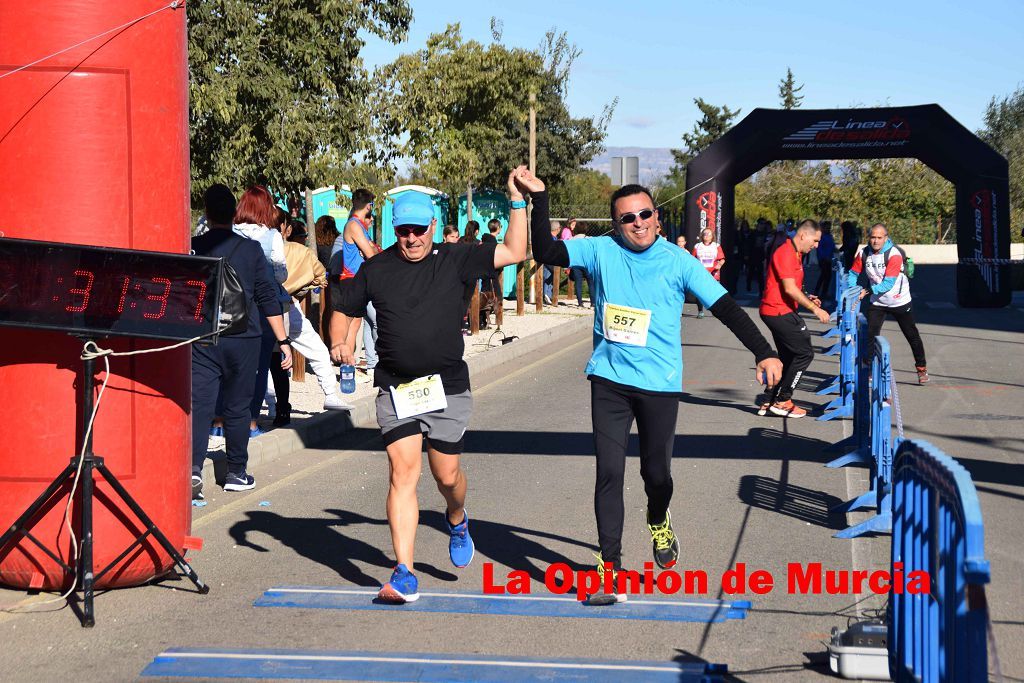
(412, 208)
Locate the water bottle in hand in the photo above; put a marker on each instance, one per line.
(348, 379)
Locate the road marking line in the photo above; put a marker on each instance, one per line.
(418, 660)
(341, 591)
(529, 366)
(246, 500)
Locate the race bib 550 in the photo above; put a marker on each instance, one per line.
(422, 395)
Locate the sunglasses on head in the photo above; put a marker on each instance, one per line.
(419, 230)
(627, 218)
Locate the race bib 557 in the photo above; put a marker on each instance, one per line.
(626, 325)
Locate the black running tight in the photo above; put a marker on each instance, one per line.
(613, 409)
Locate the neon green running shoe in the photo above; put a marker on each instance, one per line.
(666, 545)
(601, 598)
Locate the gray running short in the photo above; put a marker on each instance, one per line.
(444, 429)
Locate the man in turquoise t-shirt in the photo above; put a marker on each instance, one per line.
(640, 284)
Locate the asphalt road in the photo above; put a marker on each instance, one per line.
(747, 489)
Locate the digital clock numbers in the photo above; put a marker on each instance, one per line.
(101, 291)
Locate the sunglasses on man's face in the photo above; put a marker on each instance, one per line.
(419, 231)
(628, 218)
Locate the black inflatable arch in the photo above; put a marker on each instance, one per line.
(925, 132)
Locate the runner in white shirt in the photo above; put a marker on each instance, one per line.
(711, 256)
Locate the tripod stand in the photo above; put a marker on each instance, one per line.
(90, 463)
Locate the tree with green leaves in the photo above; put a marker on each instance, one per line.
(459, 111)
(788, 89)
(1004, 131)
(277, 88)
(783, 191)
(904, 194)
(714, 123)
(583, 194)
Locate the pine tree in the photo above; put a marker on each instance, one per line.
(713, 125)
(788, 90)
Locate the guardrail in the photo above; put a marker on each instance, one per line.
(939, 635)
(873, 387)
(847, 312)
(929, 504)
(839, 275)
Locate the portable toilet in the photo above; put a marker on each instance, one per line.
(280, 201)
(489, 204)
(332, 201)
(440, 200)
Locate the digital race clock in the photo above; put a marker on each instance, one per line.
(102, 291)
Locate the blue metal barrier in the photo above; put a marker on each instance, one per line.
(879, 495)
(856, 448)
(937, 528)
(839, 275)
(849, 310)
(837, 316)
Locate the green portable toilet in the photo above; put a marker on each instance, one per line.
(440, 200)
(488, 204)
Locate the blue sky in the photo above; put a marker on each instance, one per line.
(656, 56)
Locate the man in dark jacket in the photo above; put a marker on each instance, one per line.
(229, 367)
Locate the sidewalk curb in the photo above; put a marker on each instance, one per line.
(321, 428)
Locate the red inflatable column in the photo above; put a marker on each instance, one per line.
(94, 150)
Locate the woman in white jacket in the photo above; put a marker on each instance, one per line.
(255, 212)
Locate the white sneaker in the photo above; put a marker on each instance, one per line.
(216, 440)
(335, 402)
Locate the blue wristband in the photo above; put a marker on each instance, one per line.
(519, 204)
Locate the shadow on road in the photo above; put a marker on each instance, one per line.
(512, 546)
(319, 540)
(791, 500)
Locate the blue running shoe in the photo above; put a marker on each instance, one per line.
(402, 588)
(255, 432)
(460, 544)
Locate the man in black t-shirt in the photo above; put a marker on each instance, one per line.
(417, 289)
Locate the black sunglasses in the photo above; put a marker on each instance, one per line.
(627, 218)
(419, 231)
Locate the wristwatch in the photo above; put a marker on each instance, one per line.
(285, 342)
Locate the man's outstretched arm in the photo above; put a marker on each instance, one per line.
(545, 248)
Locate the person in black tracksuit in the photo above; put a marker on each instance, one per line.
(229, 367)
